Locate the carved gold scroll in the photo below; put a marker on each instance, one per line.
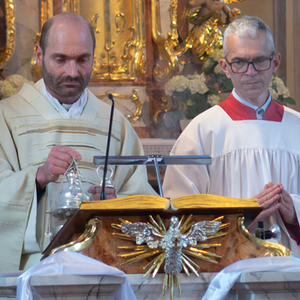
(168, 65)
(119, 29)
(7, 19)
(134, 97)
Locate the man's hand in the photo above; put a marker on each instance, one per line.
(97, 190)
(287, 208)
(269, 200)
(272, 198)
(57, 163)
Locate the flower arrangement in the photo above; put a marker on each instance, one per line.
(214, 74)
(11, 85)
(193, 92)
(280, 92)
(199, 92)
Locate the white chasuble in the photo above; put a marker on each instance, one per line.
(30, 127)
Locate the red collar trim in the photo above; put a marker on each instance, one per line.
(237, 111)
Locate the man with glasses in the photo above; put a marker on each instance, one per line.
(253, 140)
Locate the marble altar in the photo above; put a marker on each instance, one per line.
(254, 286)
(157, 146)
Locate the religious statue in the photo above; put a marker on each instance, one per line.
(205, 37)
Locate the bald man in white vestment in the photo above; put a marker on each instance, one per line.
(44, 127)
(253, 140)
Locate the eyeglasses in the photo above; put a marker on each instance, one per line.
(260, 64)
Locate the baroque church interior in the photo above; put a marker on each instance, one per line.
(140, 47)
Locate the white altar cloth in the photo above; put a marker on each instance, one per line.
(71, 263)
(223, 282)
(257, 283)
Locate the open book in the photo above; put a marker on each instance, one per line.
(144, 205)
(203, 202)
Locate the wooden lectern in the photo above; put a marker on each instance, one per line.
(96, 231)
(145, 234)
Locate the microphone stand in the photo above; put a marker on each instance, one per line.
(103, 195)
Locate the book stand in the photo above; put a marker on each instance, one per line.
(98, 230)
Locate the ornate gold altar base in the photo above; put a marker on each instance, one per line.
(101, 241)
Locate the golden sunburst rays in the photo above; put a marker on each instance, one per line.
(171, 280)
(159, 253)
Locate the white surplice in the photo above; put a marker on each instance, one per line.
(246, 155)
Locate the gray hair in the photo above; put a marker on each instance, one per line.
(248, 27)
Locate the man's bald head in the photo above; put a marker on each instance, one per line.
(67, 18)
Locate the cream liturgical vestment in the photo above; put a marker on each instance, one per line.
(30, 127)
(246, 155)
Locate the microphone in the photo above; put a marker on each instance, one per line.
(103, 195)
